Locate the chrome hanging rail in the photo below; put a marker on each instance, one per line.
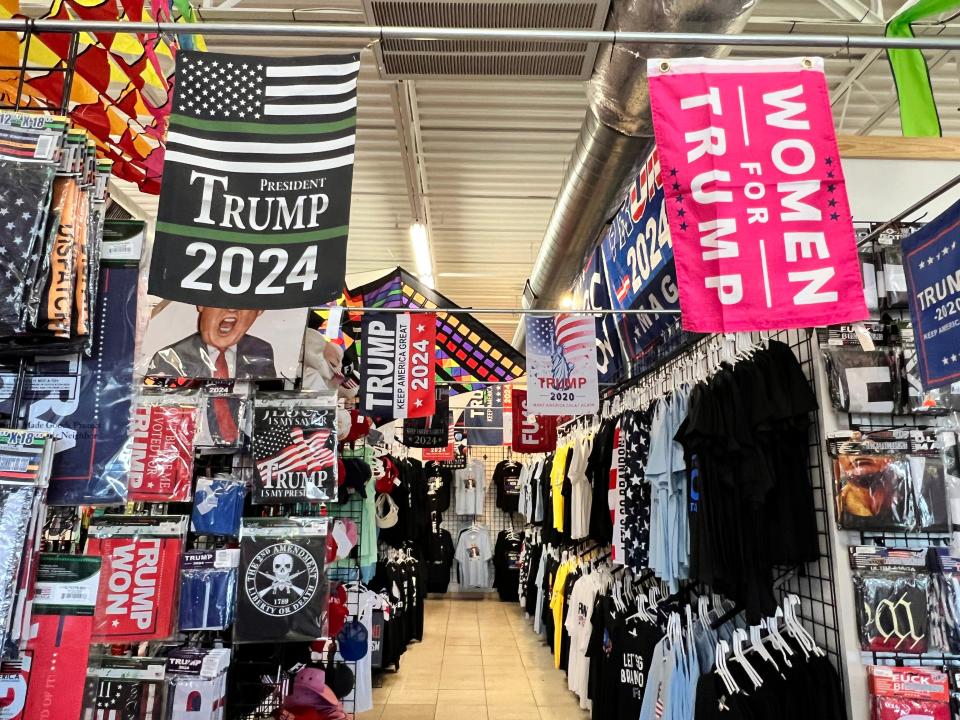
(384, 32)
(496, 311)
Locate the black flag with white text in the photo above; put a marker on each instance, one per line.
(255, 199)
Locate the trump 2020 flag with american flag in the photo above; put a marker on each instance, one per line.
(255, 198)
(294, 449)
(561, 364)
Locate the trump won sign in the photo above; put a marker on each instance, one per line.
(755, 194)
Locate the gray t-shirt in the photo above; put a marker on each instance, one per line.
(473, 554)
(469, 486)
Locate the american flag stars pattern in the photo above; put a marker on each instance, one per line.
(213, 89)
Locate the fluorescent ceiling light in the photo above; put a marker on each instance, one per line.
(421, 253)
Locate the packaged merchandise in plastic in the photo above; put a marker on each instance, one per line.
(25, 458)
(295, 448)
(874, 492)
(163, 432)
(197, 683)
(916, 400)
(909, 693)
(224, 416)
(928, 474)
(85, 400)
(192, 697)
(873, 485)
(218, 505)
(863, 381)
(944, 600)
(24, 191)
(950, 454)
(208, 589)
(140, 575)
(57, 303)
(63, 605)
(894, 278)
(131, 688)
(892, 593)
(283, 589)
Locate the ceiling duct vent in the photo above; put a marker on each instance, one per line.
(399, 59)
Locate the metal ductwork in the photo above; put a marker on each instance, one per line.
(616, 134)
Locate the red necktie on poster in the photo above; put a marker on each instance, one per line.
(756, 200)
(221, 405)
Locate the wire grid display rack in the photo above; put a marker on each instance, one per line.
(259, 679)
(915, 540)
(493, 518)
(813, 583)
(63, 66)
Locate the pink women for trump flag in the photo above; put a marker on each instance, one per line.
(756, 199)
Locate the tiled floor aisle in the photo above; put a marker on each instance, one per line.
(478, 660)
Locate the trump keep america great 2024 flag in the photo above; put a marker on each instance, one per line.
(255, 198)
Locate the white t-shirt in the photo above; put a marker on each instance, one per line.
(362, 694)
(524, 504)
(581, 492)
(473, 553)
(579, 628)
(469, 483)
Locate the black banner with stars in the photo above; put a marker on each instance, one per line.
(255, 199)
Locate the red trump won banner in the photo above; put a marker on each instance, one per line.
(756, 200)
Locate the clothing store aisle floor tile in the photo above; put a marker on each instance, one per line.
(479, 660)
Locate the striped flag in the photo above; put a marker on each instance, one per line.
(255, 200)
(310, 453)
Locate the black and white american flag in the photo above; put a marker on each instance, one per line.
(233, 113)
(127, 700)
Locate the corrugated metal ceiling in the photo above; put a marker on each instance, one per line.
(492, 152)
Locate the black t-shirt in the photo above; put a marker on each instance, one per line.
(506, 566)
(548, 533)
(598, 472)
(603, 680)
(439, 480)
(633, 642)
(566, 489)
(506, 477)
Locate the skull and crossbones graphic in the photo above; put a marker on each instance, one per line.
(281, 580)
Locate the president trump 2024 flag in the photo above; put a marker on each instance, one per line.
(255, 198)
(397, 356)
(561, 364)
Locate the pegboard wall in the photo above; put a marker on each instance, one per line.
(493, 518)
(838, 420)
(813, 583)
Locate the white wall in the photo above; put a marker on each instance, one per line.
(880, 189)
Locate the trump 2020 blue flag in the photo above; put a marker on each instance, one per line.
(931, 259)
(561, 364)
